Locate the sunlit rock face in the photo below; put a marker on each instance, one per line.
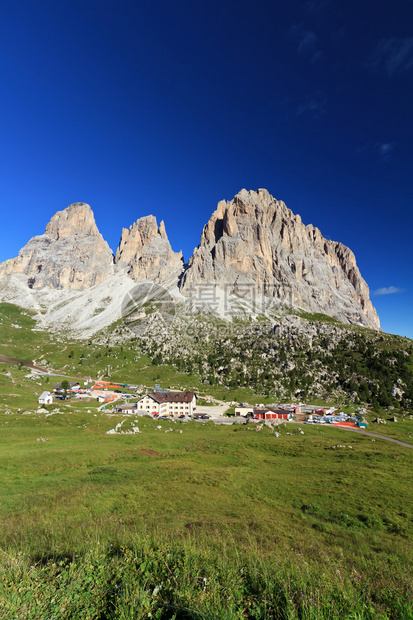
(254, 242)
(145, 252)
(71, 254)
(252, 246)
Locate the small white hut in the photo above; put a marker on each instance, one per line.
(45, 398)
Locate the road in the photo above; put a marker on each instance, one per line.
(356, 430)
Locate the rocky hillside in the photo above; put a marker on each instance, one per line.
(290, 358)
(254, 245)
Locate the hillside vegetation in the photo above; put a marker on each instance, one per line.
(290, 357)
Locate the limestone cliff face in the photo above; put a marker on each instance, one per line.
(71, 254)
(252, 245)
(146, 252)
(255, 242)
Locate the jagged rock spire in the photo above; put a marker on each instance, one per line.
(145, 251)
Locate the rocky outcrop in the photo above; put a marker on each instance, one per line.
(145, 251)
(71, 254)
(254, 245)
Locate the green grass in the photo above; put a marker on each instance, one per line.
(285, 510)
(402, 429)
(73, 359)
(160, 579)
(318, 316)
(92, 524)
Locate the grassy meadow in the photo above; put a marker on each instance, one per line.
(297, 516)
(189, 520)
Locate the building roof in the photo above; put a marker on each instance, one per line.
(44, 394)
(126, 407)
(171, 397)
(270, 410)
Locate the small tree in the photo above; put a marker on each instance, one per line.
(65, 387)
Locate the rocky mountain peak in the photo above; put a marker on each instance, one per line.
(253, 249)
(255, 243)
(71, 254)
(77, 218)
(145, 251)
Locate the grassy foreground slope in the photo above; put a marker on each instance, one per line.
(210, 522)
(98, 522)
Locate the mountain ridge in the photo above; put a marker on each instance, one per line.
(251, 247)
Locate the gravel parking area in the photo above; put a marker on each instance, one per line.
(215, 411)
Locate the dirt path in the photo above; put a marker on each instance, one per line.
(100, 408)
(4, 359)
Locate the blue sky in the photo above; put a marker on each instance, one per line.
(145, 106)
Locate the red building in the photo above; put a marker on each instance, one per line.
(271, 413)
